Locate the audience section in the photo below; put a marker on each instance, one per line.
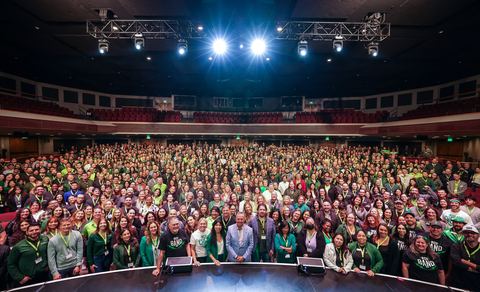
(456, 107)
(16, 103)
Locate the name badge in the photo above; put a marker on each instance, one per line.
(106, 253)
(192, 210)
(287, 256)
(263, 237)
(362, 267)
(309, 249)
(38, 260)
(68, 256)
(130, 265)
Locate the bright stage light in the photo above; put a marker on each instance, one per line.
(338, 45)
(302, 48)
(258, 47)
(182, 46)
(219, 46)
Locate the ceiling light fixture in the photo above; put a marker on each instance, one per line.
(182, 46)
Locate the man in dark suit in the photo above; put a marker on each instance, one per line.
(263, 235)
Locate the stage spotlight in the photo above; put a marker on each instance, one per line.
(200, 27)
(103, 46)
(219, 46)
(139, 42)
(338, 45)
(258, 47)
(373, 49)
(302, 48)
(279, 28)
(182, 46)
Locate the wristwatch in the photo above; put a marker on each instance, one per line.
(236, 256)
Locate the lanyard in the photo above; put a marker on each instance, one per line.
(226, 224)
(470, 254)
(104, 239)
(35, 247)
(263, 224)
(128, 252)
(470, 212)
(309, 238)
(362, 251)
(379, 244)
(327, 236)
(81, 206)
(352, 232)
(53, 234)
(340, 255)
(456, 185)
(154, 241)
(285, 239)
(66, 241)
(341, 220)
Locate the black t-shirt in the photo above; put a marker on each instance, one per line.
(360, 261)
(370, 231)
(422, 267)
(416, 231)
(401, 245)
(442, 247)
(174, 245)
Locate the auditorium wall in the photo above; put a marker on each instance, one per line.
(397, 103)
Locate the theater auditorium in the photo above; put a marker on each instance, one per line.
(255, 145)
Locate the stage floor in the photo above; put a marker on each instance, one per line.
(233, 277)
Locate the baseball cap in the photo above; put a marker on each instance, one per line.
(398, 202)
(459, 219)
(410, 213)
(436, 223)
(470, 228)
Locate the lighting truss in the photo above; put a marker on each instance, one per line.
(327, 31)
(150, 29)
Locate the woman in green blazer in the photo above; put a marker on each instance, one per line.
(366, 256)
(349, 229)
(216, 244)
(149, 246)
(126, 255)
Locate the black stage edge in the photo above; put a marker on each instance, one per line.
(234, 277)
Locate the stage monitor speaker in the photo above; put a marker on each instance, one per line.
(179, 265)
(311, 266)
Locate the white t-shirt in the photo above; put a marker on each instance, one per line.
(448, 216)
(220, 247)
(199, 239)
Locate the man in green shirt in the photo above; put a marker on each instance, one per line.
(425, 181)
(92, 225)
(27, 263)
(160, 185)
(454, 233)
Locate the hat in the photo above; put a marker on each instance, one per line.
(436, 223)
(408, 213)
(470, 228)
(398, 202)
(378, 195)
(459, 219)
(272, 174)
(455, 200)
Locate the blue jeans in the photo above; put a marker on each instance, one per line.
(63, 273)
(102, 262)
(257, 256)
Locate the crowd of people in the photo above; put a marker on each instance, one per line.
(124, 206)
